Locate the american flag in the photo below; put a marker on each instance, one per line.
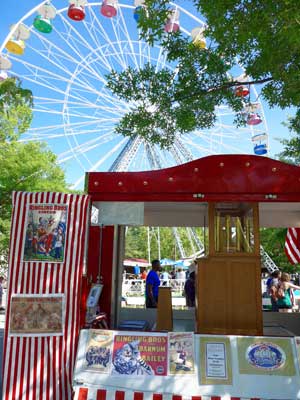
(40, 368)
(292, 245)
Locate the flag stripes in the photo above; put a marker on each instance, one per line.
(85, 393)
(292, 245)
(40, 368)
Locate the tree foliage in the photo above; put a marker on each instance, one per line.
(162, 244)
(15, 109)
(262, 36)
(273, 241)
(24, 166)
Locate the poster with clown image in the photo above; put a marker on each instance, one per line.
(140, 355)
(45, 233)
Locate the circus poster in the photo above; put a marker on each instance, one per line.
(140, 355)
(45, 232)
(36, 315)
(266, 356)
(181, 353)
(98, 351)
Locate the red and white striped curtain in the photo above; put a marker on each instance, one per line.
(40, 368)
(85, 393)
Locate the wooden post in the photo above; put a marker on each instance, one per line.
(164, 320)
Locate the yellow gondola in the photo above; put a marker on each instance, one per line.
(15, 46)
(198, 37)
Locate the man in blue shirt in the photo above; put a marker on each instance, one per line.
(152, 284)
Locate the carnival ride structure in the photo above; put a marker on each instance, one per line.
(64, 55)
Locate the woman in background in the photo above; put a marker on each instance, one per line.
(284, 302)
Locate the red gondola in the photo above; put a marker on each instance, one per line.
(109, 8)
(76, 13)
(242, 91)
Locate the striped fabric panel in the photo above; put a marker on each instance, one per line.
(40, 368)
(85, 393)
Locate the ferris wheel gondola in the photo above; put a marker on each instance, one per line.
(43, 21)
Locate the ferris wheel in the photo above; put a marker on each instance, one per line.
(64, 55)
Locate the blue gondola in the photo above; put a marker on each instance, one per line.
(260, 149)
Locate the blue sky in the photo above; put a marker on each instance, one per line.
(12, 11)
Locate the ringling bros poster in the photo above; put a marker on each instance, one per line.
(140, 355)
(45, 234)
(181, 353)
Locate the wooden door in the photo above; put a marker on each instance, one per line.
(228, 295)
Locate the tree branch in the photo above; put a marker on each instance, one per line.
(228, 85)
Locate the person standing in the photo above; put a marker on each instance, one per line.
(144, 274)
(272, 287)
(284, 302)
(164, 276)
(189, 290)
(152, 285)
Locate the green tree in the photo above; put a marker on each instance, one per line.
(15, 109)
(24, 166)
(260, 35)
(136, 244)
(273, 240)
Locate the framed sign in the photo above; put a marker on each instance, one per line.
(215, 361)
(36, 315)
(45, 233)
(266, 356)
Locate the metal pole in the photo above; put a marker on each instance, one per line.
(149, 250)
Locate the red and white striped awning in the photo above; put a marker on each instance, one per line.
(85, 393)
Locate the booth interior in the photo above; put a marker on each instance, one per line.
(228, 272)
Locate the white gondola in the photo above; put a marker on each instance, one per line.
(47, 10)
(260, 137)
(5, 63)
(3, 75)
(20, 31)
(251, 107)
